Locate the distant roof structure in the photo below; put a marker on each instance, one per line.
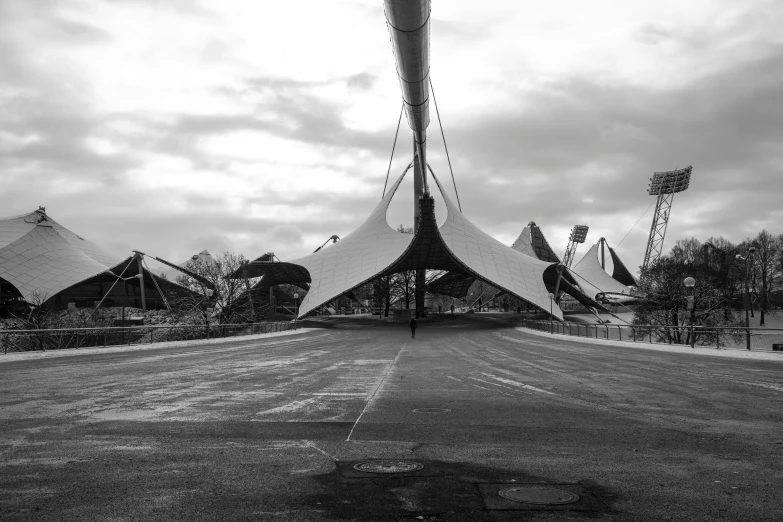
(40, 257)
(620, 272)
(593, 278)
(172, 273)
(531, 242)
(375, 249)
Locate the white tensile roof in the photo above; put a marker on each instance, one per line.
(593, 278)
(531, 242)
(375, 247)
(41, 258)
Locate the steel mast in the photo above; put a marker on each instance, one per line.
(578, 236)
(664, 185)
(408, 22)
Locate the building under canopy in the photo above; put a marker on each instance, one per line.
(44, 264)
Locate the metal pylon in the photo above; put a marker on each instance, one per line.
(664, 185)
(578, 235)
(658, 230)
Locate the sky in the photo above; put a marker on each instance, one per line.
(177, 126)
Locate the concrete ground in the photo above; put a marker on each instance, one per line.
(270, 428)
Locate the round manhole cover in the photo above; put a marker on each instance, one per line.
(539, 495)
(431, 410)
(388, 466)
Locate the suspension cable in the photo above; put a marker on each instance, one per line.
(392, 154)
(112, 286)
(444, 144)
(152, 276)
(602, 291)
(634, 225)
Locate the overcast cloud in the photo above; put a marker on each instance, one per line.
(173, 127)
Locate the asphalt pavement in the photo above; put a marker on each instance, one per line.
(271, 429)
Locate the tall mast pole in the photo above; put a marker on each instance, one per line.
(408, 22)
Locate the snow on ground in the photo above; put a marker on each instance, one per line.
(674, 348)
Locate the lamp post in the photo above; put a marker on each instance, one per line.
(689, 283)
(551, 326)
(296, 306)
(207, 294)
(745, 299)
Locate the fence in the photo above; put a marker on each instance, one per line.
(65, 338)
(759, 339)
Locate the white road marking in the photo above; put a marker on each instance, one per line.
(769, 386)
(374, 392)
(340, 394)
(489, 389)
(519, 384)
(311, 444)
(291, 406)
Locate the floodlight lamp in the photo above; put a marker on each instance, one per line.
(689, 282)
(296, 296)
(208, 292)
(139, 276)
(739, 257)
(551, 295)
(751, 250)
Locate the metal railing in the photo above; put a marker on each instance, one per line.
(71, 338)
(722, 338)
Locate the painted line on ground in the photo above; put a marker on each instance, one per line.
(518, 384)
(374, 392)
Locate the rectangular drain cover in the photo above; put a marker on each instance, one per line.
(490, 493)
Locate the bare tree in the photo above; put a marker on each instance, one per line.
(717, 294)
(226, 293)
(766, 269)
(383, 289)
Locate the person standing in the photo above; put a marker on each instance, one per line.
(413, 324)
(452, 308)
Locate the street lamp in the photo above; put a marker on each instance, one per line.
(689, 283)
(296, 307)
(746, 295)
(551, 300)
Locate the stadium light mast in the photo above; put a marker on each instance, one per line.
(664, 185)
(578, 235)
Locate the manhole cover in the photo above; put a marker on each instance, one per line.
(388, 466)
(431, 410)
(538, 495)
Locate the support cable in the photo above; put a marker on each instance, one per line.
(444, 144)
(392, 153)
(152, 276)
(603, 292)
(112, 286)
(634, 225)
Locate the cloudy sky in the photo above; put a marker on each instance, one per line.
(253, 126)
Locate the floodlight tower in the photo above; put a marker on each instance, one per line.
(578, 235)
(664, 185)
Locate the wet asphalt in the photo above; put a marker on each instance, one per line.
(270, 429)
